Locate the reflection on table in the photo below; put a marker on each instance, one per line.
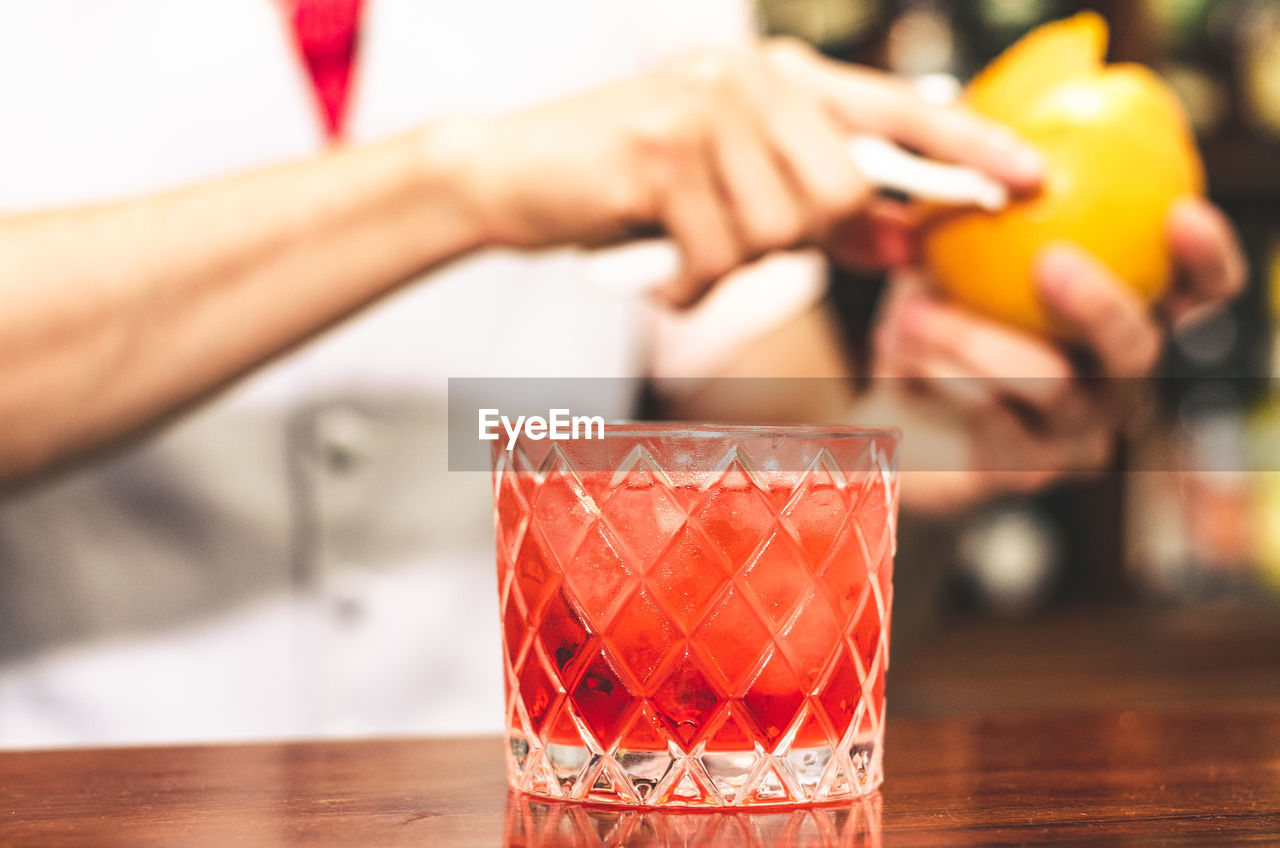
(536, 823)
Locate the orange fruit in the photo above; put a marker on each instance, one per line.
(1118, 153)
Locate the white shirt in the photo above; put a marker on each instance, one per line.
(292, 559)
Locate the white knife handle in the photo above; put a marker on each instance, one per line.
(634, 268)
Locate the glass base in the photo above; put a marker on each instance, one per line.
(540, 823)
(701, 778)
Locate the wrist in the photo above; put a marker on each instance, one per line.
(454, 181)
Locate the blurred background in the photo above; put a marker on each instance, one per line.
(1167, 567)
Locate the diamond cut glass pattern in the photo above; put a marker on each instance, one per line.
(697, 616)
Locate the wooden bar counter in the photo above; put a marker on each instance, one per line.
(1066, 732)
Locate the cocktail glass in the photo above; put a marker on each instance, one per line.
(696, 616)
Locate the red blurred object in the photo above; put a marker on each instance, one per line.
(327, 34)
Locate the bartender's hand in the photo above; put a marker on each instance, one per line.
(733, 154)
(1031, 410)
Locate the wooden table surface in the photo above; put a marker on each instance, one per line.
(1135, 749)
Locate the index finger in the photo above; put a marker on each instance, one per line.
(876, 102)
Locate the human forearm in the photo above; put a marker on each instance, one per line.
(115, 315)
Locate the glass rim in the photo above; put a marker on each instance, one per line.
(625, 427)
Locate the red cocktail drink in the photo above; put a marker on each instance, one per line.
(697, 616)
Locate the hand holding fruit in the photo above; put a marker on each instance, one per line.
(1075, 282)
(1119, 155)
(1029, 409)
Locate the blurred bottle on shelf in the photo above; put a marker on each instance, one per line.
(830, 25)
(1178, 47)
(1264, 444)
(921, 41)
(989, 26)
(1250, 31)
(1217, 491)
(1009, 556)
(1192, 500)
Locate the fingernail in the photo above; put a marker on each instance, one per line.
(1027, 163)
(1194, 208)
(1021, 158)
